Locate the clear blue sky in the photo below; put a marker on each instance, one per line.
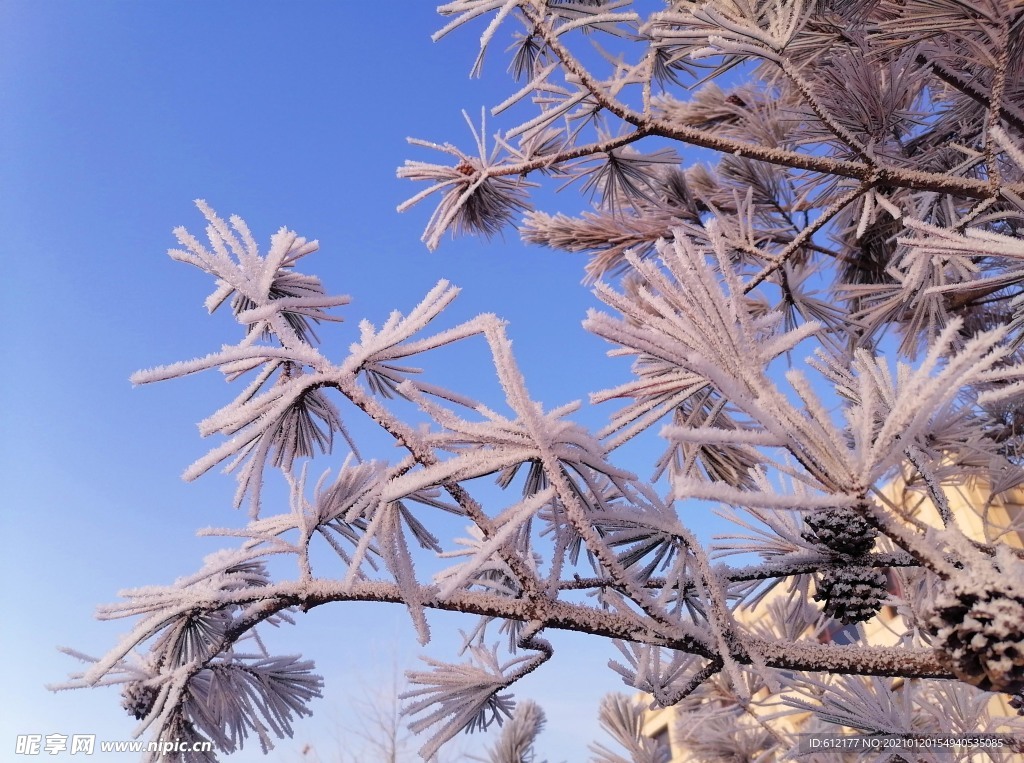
(114, 116)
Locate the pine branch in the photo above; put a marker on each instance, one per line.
(894, 177)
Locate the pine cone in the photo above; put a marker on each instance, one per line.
(851, 594)
(138, 699)
(841, 530)
(981, 629)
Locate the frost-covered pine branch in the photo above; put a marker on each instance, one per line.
(825, 323)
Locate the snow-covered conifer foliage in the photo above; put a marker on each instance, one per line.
(829, 303)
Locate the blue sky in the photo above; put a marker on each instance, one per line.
(114, 116)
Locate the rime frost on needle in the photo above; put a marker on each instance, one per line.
(825, 319)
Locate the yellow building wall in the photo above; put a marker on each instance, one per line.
(983, 517)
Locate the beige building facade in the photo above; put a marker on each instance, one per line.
(982, 516)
